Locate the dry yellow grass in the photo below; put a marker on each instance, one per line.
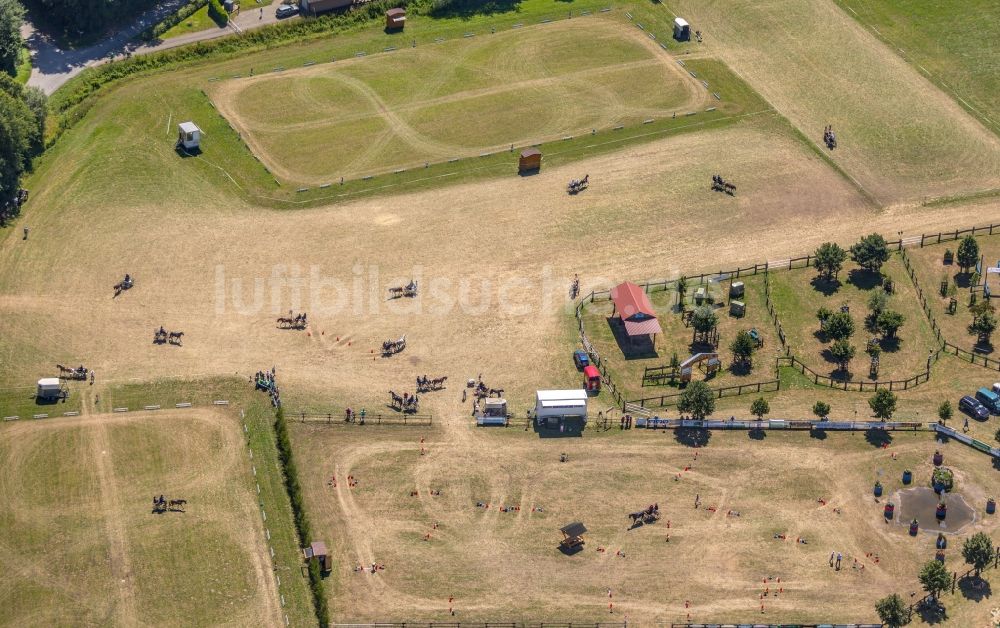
(506, 566)
(80, 544)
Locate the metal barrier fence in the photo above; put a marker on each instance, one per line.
(376, 418)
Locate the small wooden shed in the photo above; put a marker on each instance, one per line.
(530, 161)
(188, 135)
(317, 551)
(395, 19)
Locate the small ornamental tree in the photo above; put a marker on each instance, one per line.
(842, 352)
(883, 403)
(983, 327)
(934, 578)
(839, 326)
(978, 550)
(893, 612)
(822, 410)
(871, 252)
(968, 253)
(877, 301)
(889, 322)
(698, 400)
(743, 347)
(830, 259)
(759, 408)
(944, 410)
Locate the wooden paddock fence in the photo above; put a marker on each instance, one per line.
(371, 418)
(853, 385)
(757, 624)
(670, 399)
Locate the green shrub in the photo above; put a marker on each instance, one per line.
(217, 13)
(943, 477)
(174, 19)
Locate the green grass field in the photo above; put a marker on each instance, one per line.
(196, 22)
(798, 294)
(953, 44)
(459, 98)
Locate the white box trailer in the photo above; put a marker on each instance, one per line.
(553, 407)
(49, 388)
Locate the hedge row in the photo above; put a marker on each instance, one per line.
(294, 489)
(217, 13)
(93, 79)
(174, 19)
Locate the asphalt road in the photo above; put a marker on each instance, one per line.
(52, 66)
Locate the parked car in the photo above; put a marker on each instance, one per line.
(286, 10)
(581, 359)
(989, 399)
(973, 408)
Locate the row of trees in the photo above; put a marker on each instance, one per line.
(22, 132)
(698, 401)
(77, 20)
(978, 552)
(870, 253)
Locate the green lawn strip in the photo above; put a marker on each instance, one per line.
(955, 49)
(259, 416)
(196, 22)
(21, 402)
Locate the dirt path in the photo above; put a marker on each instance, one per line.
(111, 505)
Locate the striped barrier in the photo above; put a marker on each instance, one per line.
(119, 409)
(185, 404)
(151, 407)
(71, 413)
(11, 418)
(221, 402)
(39, 416)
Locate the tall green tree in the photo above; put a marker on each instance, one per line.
(830, 259)
(934, 578)
(704, 320)
(883, 403)
(842, 352)
(698, 400)
(944, 410)
(11, 17)
(838, 326)
(968, 253)
(743, 346)
(870, 252)
(893, 611)
(983, 327)
(18, 130)
(889, 322)
(978, 551)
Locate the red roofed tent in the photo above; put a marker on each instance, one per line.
(591, 378)
(635, 310)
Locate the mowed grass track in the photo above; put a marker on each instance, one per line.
(80, 546)
(899, 136)
(458, 98)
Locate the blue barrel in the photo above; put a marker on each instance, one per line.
(938, 488)
(991, 506)
(907, 476)
(914, 527)
(878, 490)
(941, 511)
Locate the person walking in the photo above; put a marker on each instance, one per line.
(261, 14)
(26, 230)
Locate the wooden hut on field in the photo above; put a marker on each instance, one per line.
(530, 161)
(395, 19)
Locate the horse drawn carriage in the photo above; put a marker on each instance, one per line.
(299, 321)
(79, 373)
(650, 515)
(575, 186)
(123, 285)
(409, 290)
(721, 185)
(392, 347)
